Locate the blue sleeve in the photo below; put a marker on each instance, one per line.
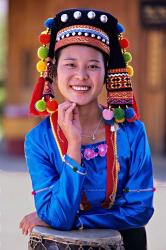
(56, 193)
(132, 208)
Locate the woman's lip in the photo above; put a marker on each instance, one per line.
(80, 87)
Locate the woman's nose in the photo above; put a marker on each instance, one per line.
(82, 74)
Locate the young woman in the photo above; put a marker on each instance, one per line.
(90, 165)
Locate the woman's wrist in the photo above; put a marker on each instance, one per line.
(74, 152)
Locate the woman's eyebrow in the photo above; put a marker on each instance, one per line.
(70, 58)
(74, 59)
(94, 60)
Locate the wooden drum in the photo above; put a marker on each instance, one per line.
(44, 238)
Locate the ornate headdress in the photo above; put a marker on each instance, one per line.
(92, 28)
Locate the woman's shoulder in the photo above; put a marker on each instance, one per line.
(135, 126)
(133, 130)
(41, 128)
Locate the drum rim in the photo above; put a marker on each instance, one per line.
(66, 239)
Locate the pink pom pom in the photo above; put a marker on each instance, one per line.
(107, 114)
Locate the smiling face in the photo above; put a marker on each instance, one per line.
(80, 74)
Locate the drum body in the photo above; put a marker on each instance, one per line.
(43, 238)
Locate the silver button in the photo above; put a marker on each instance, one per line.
(91, 15)
(77, 14)
(103, 18)
(64, 18)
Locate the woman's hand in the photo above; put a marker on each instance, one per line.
(68, 120)
(29, 221)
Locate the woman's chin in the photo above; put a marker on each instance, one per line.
(79, 101)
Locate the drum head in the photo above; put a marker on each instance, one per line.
(93, 237)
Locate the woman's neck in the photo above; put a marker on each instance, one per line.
(89, 114)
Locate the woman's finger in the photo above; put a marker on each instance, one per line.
(25, 228)
(69, 113)
(61, 111)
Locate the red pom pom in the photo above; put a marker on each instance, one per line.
(33, 192)
(37, 95)
(124, 43)
(52, 106)
(44, 38)
(154, 189)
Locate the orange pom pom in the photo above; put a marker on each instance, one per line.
(130, 70)
(41, 66)
(51, 106)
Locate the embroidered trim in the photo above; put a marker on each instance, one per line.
(34, 192)
(75, 169)
(83, 40)
(72, 30)
(127, 190)
(58, 135)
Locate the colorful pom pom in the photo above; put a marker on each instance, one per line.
(130, 115)
(108, 114)
(44, 38)
(130, 70)
(49, 23)
(41, 66)
(123, 43)
(40, 105)
(42, 52)
(51, 106)
(120, 28)
(127, 57)
(119, 115)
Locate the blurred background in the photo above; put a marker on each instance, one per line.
(21, 22)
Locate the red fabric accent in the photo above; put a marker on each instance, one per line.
(86, 205)
(110, 163)
(135, 107)
(36, 96)
(62, 141)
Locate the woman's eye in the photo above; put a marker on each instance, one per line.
(70, 65)
(93, 66)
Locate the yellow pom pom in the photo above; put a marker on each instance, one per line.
(130, 70)
(41, 66)
(45, 32)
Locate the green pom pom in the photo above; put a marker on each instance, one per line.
(40, 105)
(42, 52)
(119, 114)
(127, 57)
(75, 169)
(126, 190)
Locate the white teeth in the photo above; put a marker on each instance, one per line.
(83, 88)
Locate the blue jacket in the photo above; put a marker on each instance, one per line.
(58, 188)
